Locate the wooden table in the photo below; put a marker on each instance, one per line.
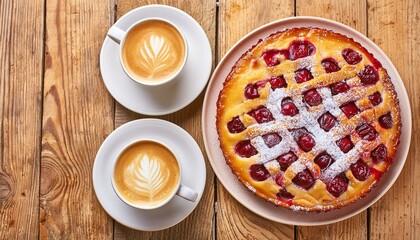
(55, 113)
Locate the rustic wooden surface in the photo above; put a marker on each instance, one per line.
(77, 117)
(396, 215)
(21, 57)
(236, 19)
(55, 113)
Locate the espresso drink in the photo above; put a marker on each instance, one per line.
(153, 51)
(146, 174)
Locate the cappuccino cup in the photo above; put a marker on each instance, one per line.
(152, 51)
(147, 175)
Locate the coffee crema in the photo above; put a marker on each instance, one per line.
(146, 174)
(153, 51)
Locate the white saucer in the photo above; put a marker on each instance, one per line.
(173, 96)
(193, 174)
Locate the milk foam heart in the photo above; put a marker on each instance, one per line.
(146, 173)
(153, 50)
(146, 176)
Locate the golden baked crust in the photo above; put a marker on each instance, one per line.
(257, 69)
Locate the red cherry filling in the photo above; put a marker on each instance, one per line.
(300, 49)
(271, 139)
(304, 179)
(379, 154)
(360, 170)
(386, 121)
(235, 125)
(251, 91)
(345, 144)
(284, 194)
(377, 174)
(349, 109)
(324, 160)
(306, 142)
(326, 121)
(351, 56)
(368, 75)
(286, 160)
(279, 179)
(375, 98)
(337, 186)
(270, 56)
(258, 172)
(330, 65)
(262, 83)
(303, 75)
(312, 97)
(298, 133)
(261, 115)
(277, 82)
(366, 131)
(339, 87)
(288, 108)
(245, 149)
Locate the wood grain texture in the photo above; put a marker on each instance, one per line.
(234, 221)
(199, 225)
(78, 115)
(21, 54)
(395, 27)
(50, 132)
(236, 19)
(353, 14)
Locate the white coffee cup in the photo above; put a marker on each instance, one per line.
(177, 187)
(151, 49)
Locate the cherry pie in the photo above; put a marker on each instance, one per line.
(308, 119)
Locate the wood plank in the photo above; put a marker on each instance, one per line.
(78, 115)
(394, 26)
(236, 19)
(21, 54)
(199, 225)
(353, 14)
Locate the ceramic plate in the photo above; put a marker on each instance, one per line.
(229, 180)
(183, 146)
(170, 97)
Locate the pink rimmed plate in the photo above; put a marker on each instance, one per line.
(229, 180)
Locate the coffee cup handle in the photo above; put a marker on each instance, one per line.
(187, 193)
(116, 34)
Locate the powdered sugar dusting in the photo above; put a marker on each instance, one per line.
(297, 167)
(297, 208)
(267, 154)
(340, 166)
(307, 62)
(274, 110)
(277, 95)
(307, 118)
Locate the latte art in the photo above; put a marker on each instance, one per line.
(146, 174)
(155, 54)
(153, 51)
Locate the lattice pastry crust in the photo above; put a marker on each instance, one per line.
(308, 119)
